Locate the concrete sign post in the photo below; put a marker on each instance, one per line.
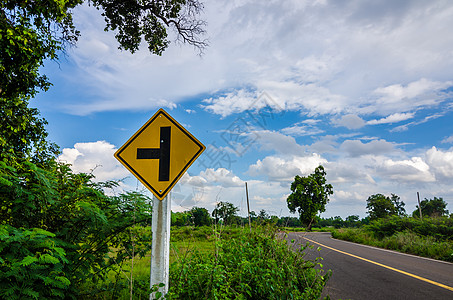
(160, 253)
(158, 154)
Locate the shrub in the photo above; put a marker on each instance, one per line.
(31, 264)
(440, 228)
(405, 235)
(252, 266)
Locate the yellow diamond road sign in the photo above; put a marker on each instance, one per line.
(159, 153)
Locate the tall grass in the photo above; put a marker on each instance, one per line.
(430, 238)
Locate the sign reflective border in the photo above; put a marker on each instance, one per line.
(159, 153)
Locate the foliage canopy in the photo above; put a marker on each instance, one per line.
(380, 206)
(436, 207)
(225, 211)
(309, 195)
(148, 19)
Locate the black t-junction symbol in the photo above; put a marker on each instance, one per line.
(162, 153)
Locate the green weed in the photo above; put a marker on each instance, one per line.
(406, 241)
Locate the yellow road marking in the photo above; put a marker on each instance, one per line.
(387, 267)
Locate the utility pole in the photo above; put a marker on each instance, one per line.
(248, 206)
(419, 206)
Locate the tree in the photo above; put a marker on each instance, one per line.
(180, 218)
(436, 207)
(352, 221)
(399, 205)
(150, 19)
(30, 32)
(263, 215)
(380, 206)
(309, 195)
(200, 216)
(225, 211)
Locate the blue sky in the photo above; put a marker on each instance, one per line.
(362, 87)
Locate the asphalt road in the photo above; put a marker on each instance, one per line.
(364, 272)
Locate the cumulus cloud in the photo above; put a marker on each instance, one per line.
(287, 95)
(275, 141)
(233, 102)
(350, 121)
(221, 176)
(277, 168)
(96, 157)
(355, 148)
(351, 199)
(349, 172)
(441, 163)
(410, 170)
(422, 93)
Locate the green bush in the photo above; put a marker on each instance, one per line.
(254, 265)
(31, 264)
(440, 228)
(58, 229)
(407, 241)
(412, 243)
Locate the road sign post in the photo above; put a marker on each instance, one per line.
(158, 154)
(160, 253)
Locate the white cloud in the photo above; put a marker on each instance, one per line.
(394, 118)
(405, 127)
(311, 121)
(275, 141)
(346, 198)
(441, 163)
(234, 102)
(349, 171)
(448, 140)
(355, 148)
(288, 95)
(277, 168)
(350, 121)
(96, 157)
(422, 93)
(197, 181)
(222, 176)
(298, 130)
(411, 170)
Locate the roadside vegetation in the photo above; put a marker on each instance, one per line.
(228, 263)
(427, 232)
(430, 237)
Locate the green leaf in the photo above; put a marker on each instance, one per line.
(47, 258)
(28, 260)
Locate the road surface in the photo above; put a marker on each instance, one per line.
(364, 272)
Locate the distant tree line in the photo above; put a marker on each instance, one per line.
(379, 206)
